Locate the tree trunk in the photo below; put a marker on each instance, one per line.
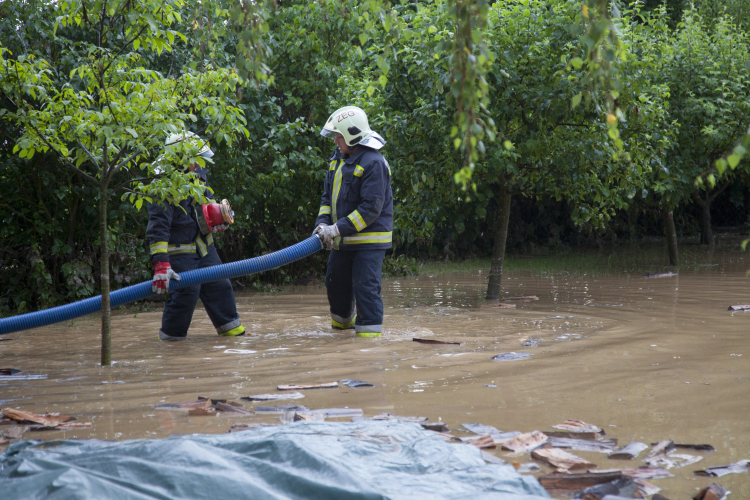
(104, 246)
(707, 235)
(501, 235)
(671, 234)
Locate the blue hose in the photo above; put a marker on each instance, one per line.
(142, 290)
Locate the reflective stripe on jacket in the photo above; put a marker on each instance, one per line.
(357, 197)
(173, 229)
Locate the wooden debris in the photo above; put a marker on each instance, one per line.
(661, 448)
(647, 473)
(388, 416)
(436, 426)
(439, 342)
(723, 470)
(511, 356)
(233, 408)
(309, 417)
(659, 275)
(4, 440)
(527, 467)
(482, 442)
(505, 306)
(67, 426)
(623, 487)
(739, 308)
(201, 412)
(698, 447)
(354, 383)
(525, 299)
(337, 412)
(575, 435)
(46, 420)
(577, 426)
(274, 397)
(566, 483)
(499, 436)
(672, 460)
(646, 488)
(249, 427)
(292, 387)
(23, 377)
(288, 417)
(597, 446)
(187, 405)
(560, 459)
(14, 432)
(712, 492)
(280, 409)
(628, 452)
(525, 442)
(9, 371)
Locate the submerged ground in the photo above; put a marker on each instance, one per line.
(646, 359)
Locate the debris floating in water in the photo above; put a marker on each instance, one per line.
(439, 342)
(481, 442)
(435, 426)
(596, 446)
(232, 407)
(274, 397)
(528, 467)
(388, 416)
(712, 492)
(351, 382)
(698, 447)
(661, 448)
(525, 442)
(659, 275)
(561, 459)
(239, 351)
(568, 483)
(48, 421)
(628, 452)
(619, 488)
(723, 470)
(292, 387)
(15, 374)
(280, 409)
(739, 308)
(525, 299)
(249, 427)
(505, 306)
(511, 356)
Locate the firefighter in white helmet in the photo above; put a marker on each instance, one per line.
(178, 243)
(355, 222)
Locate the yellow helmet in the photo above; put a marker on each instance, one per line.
(351, 122)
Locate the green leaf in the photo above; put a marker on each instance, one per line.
(733, 160)
(132, 132)
(139, 204)
(370, 90)
(382, 80)
(721, 165)
(431, 30)
(576, 62)
(457, 142)
(575, 101)
(136, 44)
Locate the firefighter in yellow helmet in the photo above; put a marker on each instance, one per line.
(355, 222)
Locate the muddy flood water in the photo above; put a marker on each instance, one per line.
(646, 359)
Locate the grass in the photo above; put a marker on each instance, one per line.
(636, 258)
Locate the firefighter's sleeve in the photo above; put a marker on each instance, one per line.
(375, 178)
(324, 211)
(157, 232)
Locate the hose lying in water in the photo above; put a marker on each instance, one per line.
(143, 290)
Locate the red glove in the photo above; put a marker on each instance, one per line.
(162, 274)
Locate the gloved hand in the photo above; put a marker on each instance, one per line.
(319, 227)
(162, 274)
(327, 234)
(219, 228)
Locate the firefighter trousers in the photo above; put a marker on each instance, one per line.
(353, 281)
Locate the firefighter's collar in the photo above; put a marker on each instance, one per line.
(357, 155)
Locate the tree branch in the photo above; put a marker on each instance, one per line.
(88, 153)
(131, 181)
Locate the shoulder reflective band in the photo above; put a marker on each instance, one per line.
(368, 238)
(324, 210)
(332, 166)
(358, 171)
(357, 220)
(159, 247)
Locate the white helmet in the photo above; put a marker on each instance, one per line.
(193, 140)
(351, 122)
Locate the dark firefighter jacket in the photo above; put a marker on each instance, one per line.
(357, 197)
(173, 229)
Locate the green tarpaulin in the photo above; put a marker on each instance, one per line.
(304, 460)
